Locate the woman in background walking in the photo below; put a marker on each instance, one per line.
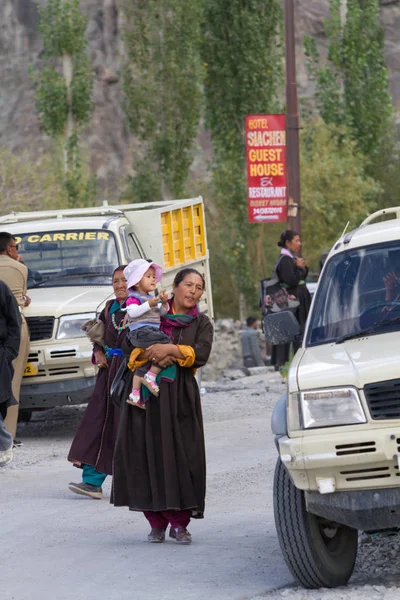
(93, 445)
(292, 271)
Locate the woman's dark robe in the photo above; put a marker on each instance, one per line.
(159, 461)
(95, 438)
(291, 275)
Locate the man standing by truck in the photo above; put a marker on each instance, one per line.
(15, 275)
(10, 321)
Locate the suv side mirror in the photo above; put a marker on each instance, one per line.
(281, 328)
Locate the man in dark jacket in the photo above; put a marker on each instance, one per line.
(251, 344)
(10, 337)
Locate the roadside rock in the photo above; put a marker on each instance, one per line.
(226, 355)
(234, 373)
(260, 370)
(226, 349)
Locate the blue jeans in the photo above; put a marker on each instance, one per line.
(91, 476)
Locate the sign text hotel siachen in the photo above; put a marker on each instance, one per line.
(266, 168)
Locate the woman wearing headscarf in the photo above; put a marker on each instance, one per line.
(93, 445)
(159, 461)
(292, 271)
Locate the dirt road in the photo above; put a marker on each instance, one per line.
(62, 546)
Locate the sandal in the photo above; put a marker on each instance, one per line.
(132, 400)
(150, 384)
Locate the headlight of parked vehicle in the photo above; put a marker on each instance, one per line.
(329, 407)
(70, 325)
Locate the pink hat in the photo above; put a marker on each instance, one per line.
(137, 268)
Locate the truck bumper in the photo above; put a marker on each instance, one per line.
(366, 510)
(330, 462)
(56, 393)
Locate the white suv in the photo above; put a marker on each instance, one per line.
(338, 426)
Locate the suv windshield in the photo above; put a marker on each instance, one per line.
(359, 292)
(68, 258)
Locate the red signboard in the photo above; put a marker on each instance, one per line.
(266, 168)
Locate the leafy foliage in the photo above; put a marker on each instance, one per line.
(62, 27)
(242, 56)
(29, 182)
(63, 89)
(352, 89)
(334, 186)
(51, 101)
(162, 82)
(81, 90)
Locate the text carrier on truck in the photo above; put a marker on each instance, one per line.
(71, 255)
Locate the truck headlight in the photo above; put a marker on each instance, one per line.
(330, 407)
(70, 326)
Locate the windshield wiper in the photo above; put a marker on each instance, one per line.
(374, 327)
(70, 273)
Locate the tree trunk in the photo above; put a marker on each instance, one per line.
(242, 308)
(68, 72)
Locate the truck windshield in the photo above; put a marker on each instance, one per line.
(68, 258)
(359, 292)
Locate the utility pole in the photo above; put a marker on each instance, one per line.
(292, 123)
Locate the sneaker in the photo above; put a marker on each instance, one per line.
(156, 536)
(181, 536)
(150, 383)
(134, 400)
(86, 489)
(17, 443)
(6, 457)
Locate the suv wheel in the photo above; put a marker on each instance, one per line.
(319, 553)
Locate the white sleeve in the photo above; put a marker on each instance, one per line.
(136, 310)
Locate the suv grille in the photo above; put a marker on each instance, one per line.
(40, 328)
(384, 399)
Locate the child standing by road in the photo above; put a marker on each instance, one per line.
(144, 312)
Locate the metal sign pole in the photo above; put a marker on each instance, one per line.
(292, 123)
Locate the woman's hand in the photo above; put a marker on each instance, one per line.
(161, 358)
(167, 361)
(300, 262)
(159, 352)
(101, 360)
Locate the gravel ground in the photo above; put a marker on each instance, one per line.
(235, 491)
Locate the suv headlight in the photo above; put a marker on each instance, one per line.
(330, 407)
(70, 325)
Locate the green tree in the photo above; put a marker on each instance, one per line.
(242, 54)
(334, 186)
(162, 79)
(64, 88)
(29, 183)
(352, 88)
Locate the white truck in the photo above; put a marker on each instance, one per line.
(71, 255)
(337, 428)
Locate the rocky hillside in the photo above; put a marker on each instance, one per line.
(108, 137)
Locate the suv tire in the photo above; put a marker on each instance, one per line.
(318, 553)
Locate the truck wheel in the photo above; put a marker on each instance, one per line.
(319, 553)
(24, 416)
